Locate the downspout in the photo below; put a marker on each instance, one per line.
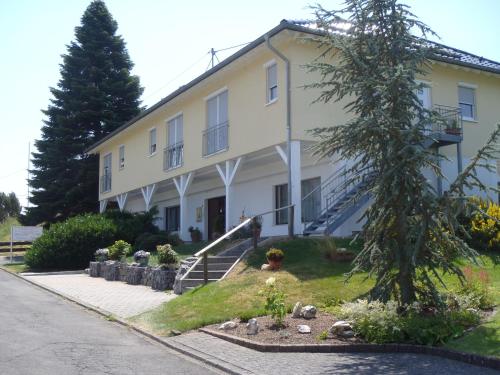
(288, 128)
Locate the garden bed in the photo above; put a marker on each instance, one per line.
(288, 334)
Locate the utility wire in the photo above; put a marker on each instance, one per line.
(13, 173)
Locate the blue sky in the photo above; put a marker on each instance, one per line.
(166, 38)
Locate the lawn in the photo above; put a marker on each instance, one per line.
(5, 228)
(306, 276)
(16, 267)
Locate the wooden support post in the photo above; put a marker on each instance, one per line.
(205, 268)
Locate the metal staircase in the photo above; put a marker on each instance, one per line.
(344, 193)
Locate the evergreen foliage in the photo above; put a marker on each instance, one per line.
(371, 53)
(95, 95)
(9, 206)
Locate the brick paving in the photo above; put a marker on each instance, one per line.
(246, 361)
(115, 297)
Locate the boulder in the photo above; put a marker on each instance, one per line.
(309, 312)
(346, 334)
(252, 327)
(183, 268)
(228, 325)
(304, 328)
(339, 327)
(95, 269)
(162, 278)
(134, 275)
(111, 270)
(297, 310)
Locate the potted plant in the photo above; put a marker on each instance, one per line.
(275, 258)
(195, 234)
(452, 127)
(142, 257)
(101, 255)
(119, 250)
(167, 257)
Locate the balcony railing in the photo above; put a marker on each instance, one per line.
(449, 121)
(215, 139)
(106, 182)
(173, 156)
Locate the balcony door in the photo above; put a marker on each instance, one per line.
(175, 142)
(217, 120)
(424, 96)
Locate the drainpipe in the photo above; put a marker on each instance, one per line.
(288, 129)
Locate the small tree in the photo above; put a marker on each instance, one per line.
(371, 59)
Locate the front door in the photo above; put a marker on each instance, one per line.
(216, 211)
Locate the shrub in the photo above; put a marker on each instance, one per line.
(71, 244)
(119, 250)
(476, 289)
(276, 255)
(131, 225)
(167, 255)
(275, 301)
(484, 229)
(101, 255)
(149, 241)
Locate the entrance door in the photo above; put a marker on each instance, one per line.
(216, 211)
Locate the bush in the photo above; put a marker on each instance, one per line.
(149, 241)
(167, 255)
(71, 244)
(131, 225)
(119, 250)
(484, 229)
(275, 254)
(275, 301)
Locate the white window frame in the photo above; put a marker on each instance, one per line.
(180, 149)
(474, 105)
(268, 66)
(110, 155)
(169, 120)
(121, 157)
(151, 144)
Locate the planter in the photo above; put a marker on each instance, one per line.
(453, 131)
(134, 275)
(275, 264)
(163, 278)
(95, 269)
(111, 270)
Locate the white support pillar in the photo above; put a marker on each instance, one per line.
(227, 177)
(296, 178)
(147, 194)
(182, 184)
(102, 205)
(122, 201)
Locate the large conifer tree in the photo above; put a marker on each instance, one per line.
(372, 53)
(95, 95)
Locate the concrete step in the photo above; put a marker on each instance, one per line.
(221, 259)
(186, 283)
(211, 274)
(213, 266)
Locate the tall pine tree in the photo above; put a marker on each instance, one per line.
(95, 95)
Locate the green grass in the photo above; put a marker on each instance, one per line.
(306, 276)
(184, 250)
(16, 267)
(5, 228)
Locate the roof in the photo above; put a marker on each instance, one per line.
(450, 55)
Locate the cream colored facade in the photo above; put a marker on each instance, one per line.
(257, 135)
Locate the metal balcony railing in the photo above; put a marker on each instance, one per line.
(215, 139)
(448, 120)
(173, 156)
(106, 182)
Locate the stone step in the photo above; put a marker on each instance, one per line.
(213, 266)
(211, 274)
(194, 282)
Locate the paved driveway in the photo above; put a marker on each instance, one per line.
(115, 297)
(40, 333)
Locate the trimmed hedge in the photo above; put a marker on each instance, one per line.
(72, 243)
(132, 225)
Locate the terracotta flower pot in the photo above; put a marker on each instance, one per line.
(275, 264)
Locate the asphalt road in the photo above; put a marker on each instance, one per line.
(41, 333)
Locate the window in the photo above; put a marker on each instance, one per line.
(467, 102)
(121, 152)
(172, 218)
(311, 205)
(272, 82)
(152, 141)
(215, 137)
(106, 173)
(175, 142)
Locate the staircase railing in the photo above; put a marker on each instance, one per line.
(203, 253)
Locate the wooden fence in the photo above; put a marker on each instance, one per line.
(16, 246)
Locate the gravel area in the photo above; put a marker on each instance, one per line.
(289, 334)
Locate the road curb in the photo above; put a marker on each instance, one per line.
(186, 351)
(473, 359)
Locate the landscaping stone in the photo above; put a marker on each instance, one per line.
(228, 325)
(95, 269)
(304, 328)
(123, 271)
(111, 270)
(339, 327)
(252, 327)
(297, 310)
(162, 278)
(309, 312)
(134, 275)
(183, 268)
(147, 276)
(347, 334)
(266, 267)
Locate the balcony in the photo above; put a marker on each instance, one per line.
(447, 128)
(215, 139)
(173, 156)
(106, 182)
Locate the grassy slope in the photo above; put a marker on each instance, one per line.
(5, 228)
(306, 276)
